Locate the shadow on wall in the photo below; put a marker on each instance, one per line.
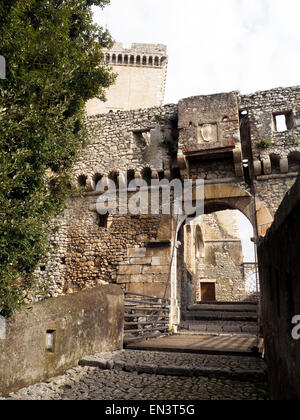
(279, 267)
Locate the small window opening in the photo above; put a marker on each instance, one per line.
(142, 137)
(283, 121)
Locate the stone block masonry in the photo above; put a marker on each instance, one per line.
(129, 140)
(86, 253)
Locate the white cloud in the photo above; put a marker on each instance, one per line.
(215, 46)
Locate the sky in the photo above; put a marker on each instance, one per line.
(215, 46)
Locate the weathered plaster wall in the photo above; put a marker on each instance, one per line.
(279, 267)
(84, 323)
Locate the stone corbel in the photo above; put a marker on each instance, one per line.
(137, 175)
(267, 166)
(257, 167)
(284, 166)
(183, 165)
(154, 174)
(89, 184)
(122, 180)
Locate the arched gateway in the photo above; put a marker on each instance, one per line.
(226, 141)
(217, 197)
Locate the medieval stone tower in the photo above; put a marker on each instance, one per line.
(142, 71)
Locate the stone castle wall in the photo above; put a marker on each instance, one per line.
(128, 250)
(135, 251)
(127, 140)
(282, 154)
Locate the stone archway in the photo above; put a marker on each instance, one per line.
(217, 196)
(228, 196)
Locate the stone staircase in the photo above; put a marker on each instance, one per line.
(220, 318)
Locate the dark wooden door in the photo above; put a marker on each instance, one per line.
(208, 292)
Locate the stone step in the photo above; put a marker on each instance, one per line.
(219, 316)
(218, 327)
(227, 303)
(185, 365)
(223, 307)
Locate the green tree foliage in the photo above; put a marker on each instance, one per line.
(53, 52)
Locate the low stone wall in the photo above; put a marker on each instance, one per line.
(279, 268)
(56, 333)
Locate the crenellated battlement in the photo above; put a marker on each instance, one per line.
(149, 55)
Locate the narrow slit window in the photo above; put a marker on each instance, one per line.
(50, 340)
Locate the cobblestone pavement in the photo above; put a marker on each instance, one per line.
(185, 359)
(90, 383)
